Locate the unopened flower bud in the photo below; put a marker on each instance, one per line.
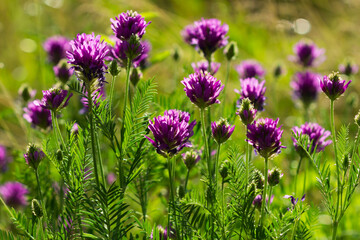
(224, 170)
(221, 130)
(59, 155)
(259, 179)
(135, 76)
(181, 191)
(36, 208)
(26, 93)
(257, 201)
(114, 68)
(278, 71)
(246, 112)
(176, 54)
(346, 162)
(33, 156)
(231, 51)
(274, 176)
(191, 158)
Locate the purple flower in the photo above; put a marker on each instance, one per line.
(142, 60)
(123, 49)
(246, 112)
(317, 136)
(203, 66)
(111, 178)
(14, 194)
(265, 136)
(294, 200)
(4, 159)
(253, 90)
(306, 87)
(56, 48)
(258, 201)
(171, 132)
(348, 69)
(191, 158)
(33, 156)
(55, 99)
(36, 115)
(250, 69)
(202, 89)
(333, 86)
(307, 54)
(75, 129)
(63, 72)
(87, 56)
(221, 130)
(127, 24)
(206, 35)
(97, 95)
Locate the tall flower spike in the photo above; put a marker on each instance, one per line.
(206, 35)
(307, 54)
(317, 137)
(127, 24)
(306, 87)
(250, 69)
(246, 112)
(14, 194)
(55, 99)
(253, 90)
(202, 89)
(171, 132)
(36, 115)
(87, 57)
(56, 47)
(203, 66)
(33, 156)
(265, 136)
(221, 130)
(333, 85)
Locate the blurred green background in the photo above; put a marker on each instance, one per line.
(264, 30)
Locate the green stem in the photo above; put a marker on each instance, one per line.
(226, 83)
(121, 171)
(112, 91)
(270, 192)
(335, 226)
(297, 173)
(100, 159)
(247, 163)
(187, 179)
(54, 125)
(217, 165)
(41, 202)
(262, 216)
(223, 209)
(305, 170)
(171, 168)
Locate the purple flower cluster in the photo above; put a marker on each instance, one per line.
(171, 132)
(317, 136)
(56, 48)
(265, 136)
(4, 159)
(250, 69)
(55, 99)
(306, 86)
(127, 24)
(202, 89)
(203, 67)
(221, 130)
(307, 54)
(14, 194)
(333, 86)
(253, 90)
(63, 72)
(37, 115)
(348, 69)
(121, 50)
(33, 156)
(206, 35)
(87, 56)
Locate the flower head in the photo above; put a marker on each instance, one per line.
(246, 112)
(274, 176)
(55, 99)
(306, 86)
(63, 72)
(191, 158)
(206, 35)
(265, 136)
(75, 129)
(333, 85)
(142, 60)
(87, 56)
(111, 178)
(348, 69)
(253, 90)
(124, 49)
(294, 200)
(14, 194)
(127, 24)
(33, 156)
(317, 137)
(221, 130)
(203, 67)
(4, 159)
(202, 89)
(56, 47)
(250, 69)
(307, 54)
(37, 115)
(258, 201)
(171, 132)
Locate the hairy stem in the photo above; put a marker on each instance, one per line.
(171, 168)
(262, 216)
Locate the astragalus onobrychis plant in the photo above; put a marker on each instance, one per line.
(130, 151)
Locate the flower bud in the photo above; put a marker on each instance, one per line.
(135, 76)
(26, 93)
(257, 201)
(278, 71)
(357, 119)
(346, 162)
(259, 179)
(36, 208)
(33, 156)
(191, 158)
(114, 68)
(176, 54)
(231, 51)
(59, 155)
(246, 112)
(181, 192)
(274, 176)
(224, 170)
(221, 130)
